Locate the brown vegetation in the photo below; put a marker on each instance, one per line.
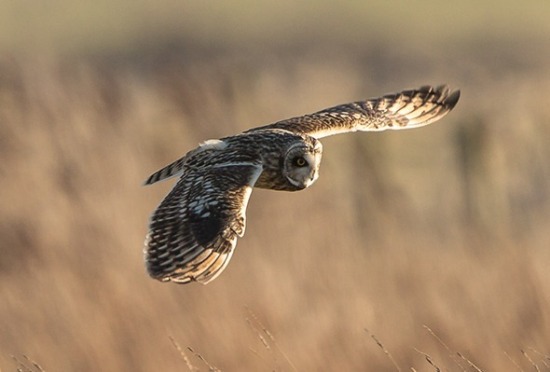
(434, 240)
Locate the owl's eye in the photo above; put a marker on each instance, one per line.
(299, 161)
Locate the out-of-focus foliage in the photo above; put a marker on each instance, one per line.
(444, 226)
(124, 24)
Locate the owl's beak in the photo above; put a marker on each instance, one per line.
(313, 178)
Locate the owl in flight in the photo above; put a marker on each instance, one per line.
(194, 230)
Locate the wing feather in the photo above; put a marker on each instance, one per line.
(194, 231)
(407, 109)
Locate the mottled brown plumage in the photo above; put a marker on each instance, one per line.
(194, 230)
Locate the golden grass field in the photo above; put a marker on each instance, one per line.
(415, 250)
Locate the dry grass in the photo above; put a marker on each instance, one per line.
(444, 227)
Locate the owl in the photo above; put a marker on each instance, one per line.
(194, 231)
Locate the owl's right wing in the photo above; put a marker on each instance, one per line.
(194, 230)
(407, 109)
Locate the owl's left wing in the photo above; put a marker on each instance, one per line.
(194, 230)
(407, 109)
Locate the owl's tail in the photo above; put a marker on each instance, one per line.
(169, 171)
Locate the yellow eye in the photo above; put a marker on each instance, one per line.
(300, 161)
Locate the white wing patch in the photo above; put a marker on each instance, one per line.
(213, 144)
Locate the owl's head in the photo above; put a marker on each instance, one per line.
(301, 163)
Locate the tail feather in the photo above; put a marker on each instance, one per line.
(169, 171)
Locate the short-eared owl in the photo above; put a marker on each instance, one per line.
(194, 231)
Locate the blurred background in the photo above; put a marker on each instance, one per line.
(445, 227)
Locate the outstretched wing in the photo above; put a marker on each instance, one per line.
(408, 109)
(194, 230)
